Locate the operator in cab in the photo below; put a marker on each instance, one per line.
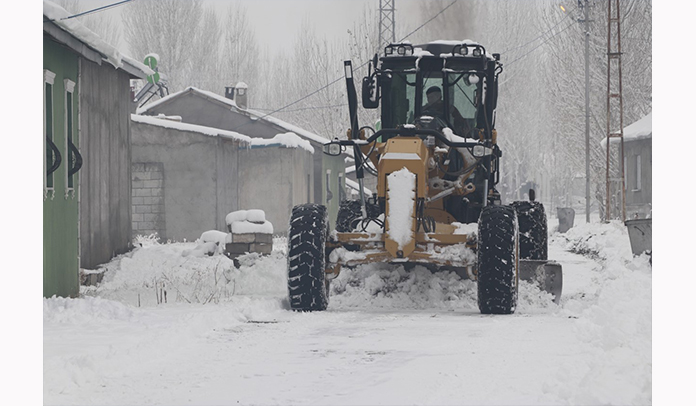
(435, 107)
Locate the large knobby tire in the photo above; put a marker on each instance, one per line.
(307, 287)
(534, 236)
(498, 260)
(349, 215)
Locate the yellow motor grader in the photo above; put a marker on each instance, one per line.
(436, 159)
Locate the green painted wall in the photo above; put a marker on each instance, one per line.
(60, 211)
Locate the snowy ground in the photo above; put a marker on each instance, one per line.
(225, 336)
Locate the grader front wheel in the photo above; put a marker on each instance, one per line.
(307, 285)
(498, 260)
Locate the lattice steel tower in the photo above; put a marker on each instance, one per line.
(387, 22)
(615, 183)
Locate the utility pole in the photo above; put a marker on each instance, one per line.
(614, 95)
(387, 23)
(586, 8)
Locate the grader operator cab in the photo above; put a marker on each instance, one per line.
(436, 159)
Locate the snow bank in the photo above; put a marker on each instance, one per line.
(387, 286)
(211, 242)
(615, 321)
(596, 240)
(160, 273)
(87, 310)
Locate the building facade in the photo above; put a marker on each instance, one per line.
(200, 107)
(187, 178)
(86, 138)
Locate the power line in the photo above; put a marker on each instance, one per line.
(90, 11)
(339, 78)
(305, 108)
(544, 42)
(538, 37)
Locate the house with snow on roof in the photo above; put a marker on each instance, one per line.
(86, 142)
(637, 166)
(188, 177)
(230, 113)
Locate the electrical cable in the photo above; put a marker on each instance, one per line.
(538, 37)
(90, 11)
(338, 79)
(544, 42)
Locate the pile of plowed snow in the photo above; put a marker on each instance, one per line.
(392, 287)
(161, 273)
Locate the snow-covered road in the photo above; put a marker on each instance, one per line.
(389, 337)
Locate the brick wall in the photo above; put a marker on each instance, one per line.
(148, 199)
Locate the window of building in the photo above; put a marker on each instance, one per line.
(329, 195)
(638, 184)
(52, 158)
(69, 137)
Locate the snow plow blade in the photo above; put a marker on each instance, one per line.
(547, 275)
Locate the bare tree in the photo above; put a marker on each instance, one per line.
(165, 27)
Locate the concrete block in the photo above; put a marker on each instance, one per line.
(137, 217)
(137, 200)
(143, 209)
(246, 238)
(237, 248)
(264, 238)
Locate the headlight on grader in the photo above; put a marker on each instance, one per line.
(479, 151)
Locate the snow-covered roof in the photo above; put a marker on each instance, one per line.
(57, 15)
(640, 129)
(252, 113)
(288, 140)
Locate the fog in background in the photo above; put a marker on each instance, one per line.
(291, 53)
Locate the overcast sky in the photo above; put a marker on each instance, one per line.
(278, 21)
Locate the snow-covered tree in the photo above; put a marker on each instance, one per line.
(167, 28)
